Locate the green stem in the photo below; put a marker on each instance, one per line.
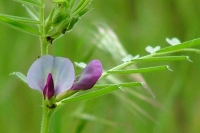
(47, 112)
(43, 42)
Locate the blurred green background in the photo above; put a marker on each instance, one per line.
(137, 23)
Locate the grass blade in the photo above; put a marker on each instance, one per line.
(132, 104)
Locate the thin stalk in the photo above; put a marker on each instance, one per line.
(47, 112)
(43, 42)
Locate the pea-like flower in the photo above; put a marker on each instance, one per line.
(55, 75)
(89, 76)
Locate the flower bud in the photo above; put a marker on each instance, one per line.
(89, 76)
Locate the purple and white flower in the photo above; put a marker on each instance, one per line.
(55, 75)
(89, 76)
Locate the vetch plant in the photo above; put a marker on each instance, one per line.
(55, 76)
(51, 75)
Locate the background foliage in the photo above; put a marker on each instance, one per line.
(137, 24)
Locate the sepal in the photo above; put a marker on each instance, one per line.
(20, 75)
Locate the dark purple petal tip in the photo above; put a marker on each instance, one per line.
(89, 76)
(49, 87)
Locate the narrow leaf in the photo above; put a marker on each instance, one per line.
(71, 3)
(30, 2)
(164, 58)
(130, 84)
(58, 1)
(21, 76)
(187, 44)
(141, 70)
(83, 12)
(48, 21)
(192, 50)
(93, 94)
(81, 6)
(20, 19)
(19, 26)
(32, 11)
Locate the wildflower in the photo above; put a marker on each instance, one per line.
(55, 75)
(89, 76)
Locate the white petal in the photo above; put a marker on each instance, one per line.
(63, 74)
(37, 74)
